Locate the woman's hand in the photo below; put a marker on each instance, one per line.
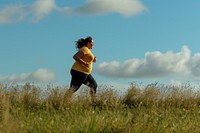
(95, 59)
(78, 57)
(86, 64)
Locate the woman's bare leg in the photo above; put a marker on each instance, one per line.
(68, 96)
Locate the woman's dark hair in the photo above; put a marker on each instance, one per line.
(83, 42)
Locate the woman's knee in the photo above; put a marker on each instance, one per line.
(75, 88)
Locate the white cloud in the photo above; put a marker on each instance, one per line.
(41, 8)
(155, 65)
(98, 7)
(35, 11)
(40, 75)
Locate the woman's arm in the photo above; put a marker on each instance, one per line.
(78, 57)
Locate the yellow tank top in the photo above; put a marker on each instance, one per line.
(88, 57)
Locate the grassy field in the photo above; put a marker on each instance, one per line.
(149, 109)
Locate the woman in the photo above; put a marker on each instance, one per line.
(82, 68)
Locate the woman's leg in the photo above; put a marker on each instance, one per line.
(90, 81)
(76, 81)
(78, 78)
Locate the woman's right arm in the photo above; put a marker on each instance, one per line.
(78, 57)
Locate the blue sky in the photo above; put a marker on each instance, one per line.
(135, 40)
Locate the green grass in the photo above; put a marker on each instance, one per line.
(29, 109)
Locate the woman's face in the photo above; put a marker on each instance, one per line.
(90, 44)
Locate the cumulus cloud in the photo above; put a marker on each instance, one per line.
(155, 65)
(19, 12)
(40, 75)
(98, 7)
(41, 8)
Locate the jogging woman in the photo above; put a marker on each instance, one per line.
(82, 68)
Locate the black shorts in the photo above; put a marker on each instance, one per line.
(79, 78)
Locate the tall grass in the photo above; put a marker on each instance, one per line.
(153, 108)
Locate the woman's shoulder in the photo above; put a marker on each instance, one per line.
(84, 48)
